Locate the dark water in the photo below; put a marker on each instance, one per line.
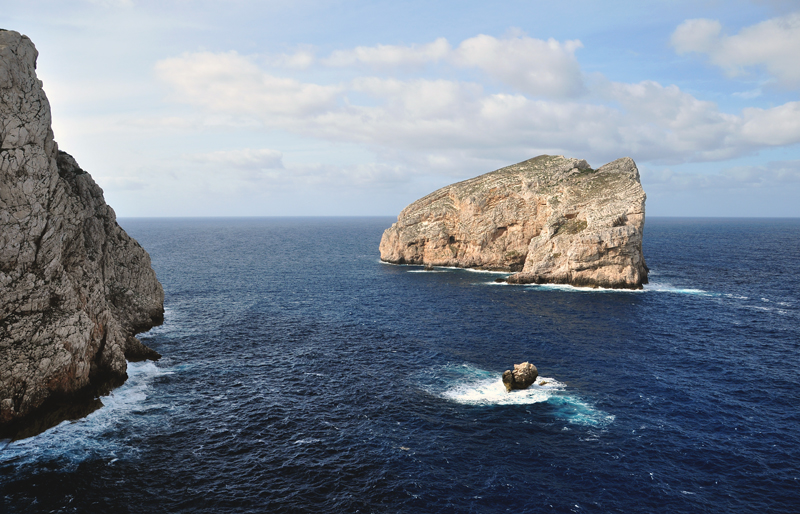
(302, 375)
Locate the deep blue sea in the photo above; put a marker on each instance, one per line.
(301, 374)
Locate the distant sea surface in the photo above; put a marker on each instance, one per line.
(301, 374)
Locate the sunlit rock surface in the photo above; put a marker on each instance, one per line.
(550, 219)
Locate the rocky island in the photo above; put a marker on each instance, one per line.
(75, 289)
(550, 219)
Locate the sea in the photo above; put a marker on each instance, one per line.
(302, 374)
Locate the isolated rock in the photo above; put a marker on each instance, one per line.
(74, 287)
(551, 219)
(521, 378)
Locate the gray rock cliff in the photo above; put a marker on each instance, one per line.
(550, 219)
(74, 287)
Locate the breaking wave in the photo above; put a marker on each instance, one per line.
(468, 385)
(97, 436)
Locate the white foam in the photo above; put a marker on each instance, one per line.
(492, 392)
(494, 272)
(169, 324)
(669, 288)
(308, 440)
(468, 385)
(72, 442)
(736, 297)
(576, 289)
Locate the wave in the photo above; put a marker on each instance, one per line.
(657, 287)
(97, 435)
(468, 385)
(169, 323)
(647, 288)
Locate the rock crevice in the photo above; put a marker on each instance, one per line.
(549, 219)
(74, 287)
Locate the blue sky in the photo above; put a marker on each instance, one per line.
(242, 108)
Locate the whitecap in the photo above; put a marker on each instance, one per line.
(468, 385)
(669, 288)
(307, 440)
(169, 319)
(72, 442)
(577, 289)
(491, 391)
(736, 297)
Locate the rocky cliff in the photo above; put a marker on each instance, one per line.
(550, 219)
(74, 287)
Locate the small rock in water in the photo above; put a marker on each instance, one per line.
(428, 267)
(523, 376)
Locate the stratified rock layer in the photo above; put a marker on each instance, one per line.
(551, 219)
(74, 287)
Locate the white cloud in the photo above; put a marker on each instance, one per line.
(231, 83)
(773, 44)
(533, 66)
(301, 59)
(429, 121)
(391, 55)
(776, 126)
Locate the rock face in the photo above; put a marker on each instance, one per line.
(74, 287)
(522, 377)
(551, 219)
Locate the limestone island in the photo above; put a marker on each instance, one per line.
(75, 289)
(549, 219)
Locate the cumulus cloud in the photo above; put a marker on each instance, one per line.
(773, 44)
(776, 126)
(647, 120)
(532, 66)
(444, 123)
(229, 82)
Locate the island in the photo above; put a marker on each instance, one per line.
(547, 220)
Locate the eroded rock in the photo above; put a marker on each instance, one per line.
(74, 287)
(550, 219)
(522, 377)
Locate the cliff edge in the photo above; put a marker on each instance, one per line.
(74, 287)
(550, 219)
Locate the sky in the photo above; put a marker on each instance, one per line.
(354, 108)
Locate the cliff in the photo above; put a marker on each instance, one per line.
(550, 219)
(74, 287)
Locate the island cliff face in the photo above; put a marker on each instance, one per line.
(550, 219)
(74, 287)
